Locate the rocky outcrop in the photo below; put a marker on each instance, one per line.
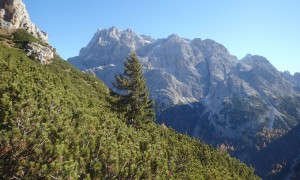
(13, 15)
(38, 52)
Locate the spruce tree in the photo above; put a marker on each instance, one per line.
(133, 96)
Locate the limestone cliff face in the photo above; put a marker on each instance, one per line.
(39, 52)
(13, 15)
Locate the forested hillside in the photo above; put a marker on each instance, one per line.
(56, 123)
(280, 159)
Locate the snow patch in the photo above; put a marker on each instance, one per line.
(100, 67)
(187, 101)
(147, 42)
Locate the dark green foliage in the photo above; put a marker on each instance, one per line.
(55, 123)
(21, 37)
(133, 97)
(275, 161)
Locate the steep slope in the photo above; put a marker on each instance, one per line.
(56, 122)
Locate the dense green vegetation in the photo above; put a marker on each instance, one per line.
(21, 38)
(276, 160)
(57, 123)
(21, 35)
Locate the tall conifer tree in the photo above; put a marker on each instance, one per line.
(133, 96)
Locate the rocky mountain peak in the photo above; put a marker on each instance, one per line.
(259, 65)
(174, 37)
(255, 60)
(114, 43)
(13, 15)
(211, 48)
(115, 34)
(127, 37)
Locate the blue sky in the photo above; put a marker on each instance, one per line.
(270, 28)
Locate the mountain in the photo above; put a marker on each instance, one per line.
(58, 123)
(201, 89)
(13, 15)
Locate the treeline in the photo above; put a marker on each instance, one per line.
(59, 123)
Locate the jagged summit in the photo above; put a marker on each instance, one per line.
(13, 15)
(174, 36)
(105, 36)
(256, 59)
(114, 43)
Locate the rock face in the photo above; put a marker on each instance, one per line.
(199, 87)
(38, 52)
(13, 15)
